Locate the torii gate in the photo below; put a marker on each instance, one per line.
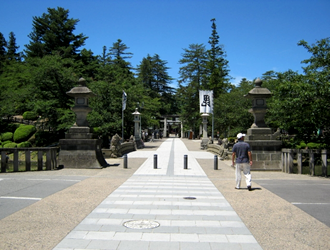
(168, 119)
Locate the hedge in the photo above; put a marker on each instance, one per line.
(23, 133)
(25, 144)
(29, 115)
(10, 145)
(7, 136)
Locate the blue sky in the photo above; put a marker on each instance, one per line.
(257, 35)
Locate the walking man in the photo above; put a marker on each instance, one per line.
(242, 152)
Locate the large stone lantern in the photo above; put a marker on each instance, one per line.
(79, 149)
(266, 149)
(259, 107)
(136, 115)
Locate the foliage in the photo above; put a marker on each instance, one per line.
(45, 138)
(53, 34)
(24, 144)
(52, 77)
(217, 65)
(9, 145)
(231, 114)
(7, 136)
(29, 115)
(152, 72)
(23, 133)
(300, 102)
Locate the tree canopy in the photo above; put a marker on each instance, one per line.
(38, 78)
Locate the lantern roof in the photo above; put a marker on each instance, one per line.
(80, 90)
(258, 91)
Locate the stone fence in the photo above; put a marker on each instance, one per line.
(310, 158)
(51, 158)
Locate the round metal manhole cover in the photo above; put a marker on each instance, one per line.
(189, 198)
(141, 224)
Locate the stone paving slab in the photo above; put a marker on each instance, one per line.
(190, 211)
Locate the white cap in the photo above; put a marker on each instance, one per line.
(240, 135)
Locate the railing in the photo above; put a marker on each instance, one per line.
(302, 158)
(51, 158)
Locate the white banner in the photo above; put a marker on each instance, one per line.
(206, 101)
(124, 100)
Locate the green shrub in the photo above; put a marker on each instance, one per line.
(302, 145)
(25, 144)
(29, 115)
(7, 136)
(314, 145)
(23, 133)
(10, 145)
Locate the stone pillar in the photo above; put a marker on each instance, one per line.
(205, 138)
(165, 127)
(182, 134)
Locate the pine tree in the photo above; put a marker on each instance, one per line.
(217, 65)
(3, 52)
(53, 33)
(12, 54)
(152, 72)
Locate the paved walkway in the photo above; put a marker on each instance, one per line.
(165, 208)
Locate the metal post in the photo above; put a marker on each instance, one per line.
(185, 162)
(155, 161)
(125, 161)
(215, 162)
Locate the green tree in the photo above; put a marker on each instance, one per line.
(152, 72)
(3, 52)
(12, 53)
(231, 115)
(193, 75)
(53, 34)
(16, 89)
(53, 76)
(217, 65)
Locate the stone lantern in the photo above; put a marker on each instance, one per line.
(137, 124)
(137, 131)
(79, 149)
(205, 138)
(259, 107)
(266, 149)
(81, 94)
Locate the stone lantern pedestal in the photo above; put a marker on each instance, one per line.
(79, 149)
(205, 139)
(266, 150)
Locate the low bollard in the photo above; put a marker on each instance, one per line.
(185, 162)
(125, 161)
(155, 161)
(215, 162)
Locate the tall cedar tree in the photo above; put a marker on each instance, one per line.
(217, 65)
(53, 33)
(192, 77)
